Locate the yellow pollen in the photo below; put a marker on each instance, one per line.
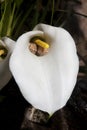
(1, 52)
(41, 43)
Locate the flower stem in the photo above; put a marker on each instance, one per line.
(52, 13)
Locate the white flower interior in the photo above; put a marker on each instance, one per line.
(48, 81)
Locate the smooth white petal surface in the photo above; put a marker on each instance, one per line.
(47, 81)
(5, 74)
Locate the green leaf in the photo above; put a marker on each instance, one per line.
(9, 28)
(18, 2)
(21, 20)
(5, 18)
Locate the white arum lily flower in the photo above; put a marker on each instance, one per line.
(46, 81)
(6, 48)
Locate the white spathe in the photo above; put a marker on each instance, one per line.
(5, 74)
(46, 82)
